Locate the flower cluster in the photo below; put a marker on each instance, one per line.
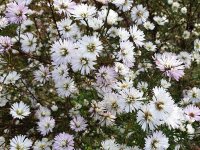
(99, 74)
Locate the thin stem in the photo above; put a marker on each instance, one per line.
(54, 18)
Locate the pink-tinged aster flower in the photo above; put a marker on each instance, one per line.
(63, 141)
(192, 113)
(5, 43)
(170, 65)
(78, 123)
(16, 12)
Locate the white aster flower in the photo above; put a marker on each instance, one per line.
(123, 34)
(146, 118)
(126, 53)
(3, 22)
(28, 42)
(139, 14)
(44, 144)
(62, 51)
(42, 112)
(95, 23)
(194, 95)
(162, 103)
(65, 87)
(42, 75)
(160, 20)
(110, 144)
(197, 45)
(125, 5)
(10, 78)
(67, 28)
(83, 62)
(20, 142)
(132, 98)
(111, 16)
(113, 103)
(150, 47)
(157, 141)
(64, 6)
(90, 45)
(46, 125)
(84, 11)
(19, 110)
(149, 26)
(137, 35)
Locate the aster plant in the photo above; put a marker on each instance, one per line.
(100, 74)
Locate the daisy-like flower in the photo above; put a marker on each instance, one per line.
(16, 12)
(137, 35)
(112, 16)
(20, 142)
(110, 144)
(83, 62)
(65, 87)
(5, 43)
(96, 109)
(46, 125)
(125, 5)
(157, 141)
(165, 84)
(62, 51)
(107, 119)
(117, 2)
(42, 112)
(95, 23)
(123, 70)
(175, 118)
(160, 20)
(78, 124)
(60, 72)
(186, 58)
(19, 110)
(146, 119)
(162, 103)
(132, 98)
(3, 22)
(84, 11)
(194, 95)
(149, 26)
(64, 6)
(90, 45)
(126, 53)
(150, 47)
(197, 45)
(122, 85)
(192, 113)
(63, 141)
(139, 14)
(106, 76)
(10, 78)
(42, 75)
(113, 103)
(170, 65)
(113, 32)
(28, 42)
(44, 144)
(123, 34)
(67, 28)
